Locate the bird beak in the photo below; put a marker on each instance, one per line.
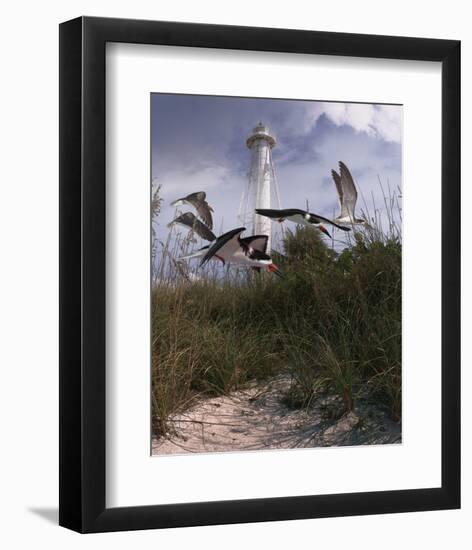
(275, 270)
(324, 230)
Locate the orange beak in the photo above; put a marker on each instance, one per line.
(324, 230)
(275, 270)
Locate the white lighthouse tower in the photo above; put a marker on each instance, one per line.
(262, 189)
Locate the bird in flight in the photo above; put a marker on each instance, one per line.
(229, 248)
(258, 243)
(188, 219)
(301, 217)
(249, 251)
(347, 194)
(198, 201)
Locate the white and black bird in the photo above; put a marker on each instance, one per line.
(198, 201)
(301, 217)
(230, 248)
(188, 219)
(347, 194)
(257, 242)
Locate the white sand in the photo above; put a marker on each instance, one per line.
(257, 419)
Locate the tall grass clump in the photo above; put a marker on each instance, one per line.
(347, 335)
(205, 342)
(332, 324)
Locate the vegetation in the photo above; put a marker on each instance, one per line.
(333, 323)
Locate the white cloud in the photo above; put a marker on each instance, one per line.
(180, 182)
(382, 121)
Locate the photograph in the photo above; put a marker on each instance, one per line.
(276, 273)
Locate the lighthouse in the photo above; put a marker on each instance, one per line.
(261, 190)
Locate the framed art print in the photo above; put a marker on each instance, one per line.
(259, 274)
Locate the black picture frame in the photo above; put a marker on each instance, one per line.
(82, 274)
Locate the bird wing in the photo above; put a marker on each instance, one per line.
(228, 242)
(256, 242)
(316, 218)
(189, 219)
(349, 190)
(278, 214)
(254, 254)
(339, 189)
(204, 210)
(269, 213)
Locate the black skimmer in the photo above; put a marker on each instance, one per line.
(256, 242)
(188, 219)
(347, 194)
(197, 200)
(230, 248)
(300, 217)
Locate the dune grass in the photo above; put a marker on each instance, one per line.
(333, 323)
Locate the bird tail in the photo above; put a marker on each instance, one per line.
(197, 254)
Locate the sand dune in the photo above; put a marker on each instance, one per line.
(257, 418)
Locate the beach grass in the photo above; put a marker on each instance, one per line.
(333, 323)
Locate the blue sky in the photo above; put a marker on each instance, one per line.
(198, 144)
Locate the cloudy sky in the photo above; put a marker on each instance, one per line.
(198, 144)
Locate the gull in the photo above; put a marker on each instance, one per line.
(347, 194)
(301, 217)
(198, 201)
